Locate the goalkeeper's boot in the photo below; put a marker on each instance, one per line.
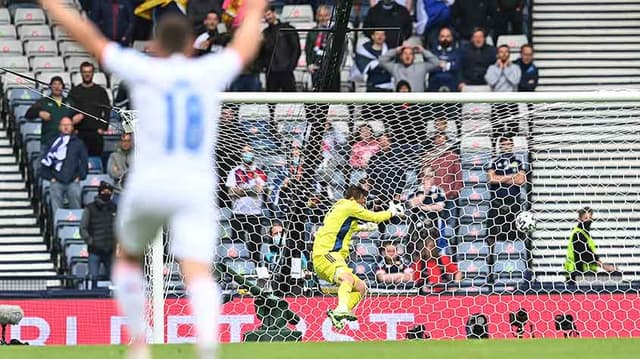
(345, 315)
(337, 323)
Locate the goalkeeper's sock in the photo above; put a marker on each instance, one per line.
(129, 292)
(344, 295)
(205, 306)
(354, 299)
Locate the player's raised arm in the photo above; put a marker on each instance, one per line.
(247, 38)
(80, 29)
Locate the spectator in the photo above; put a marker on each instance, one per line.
(247, 187)
(503, 76)
(230, 133)
(120, 160)
(154, 9)
(581, 250)
(279, 53)
(198, 10)
(528, 70)
(276, 241)
(426, 204)
(65, 164)
(431, 16)
(334, 160)
(292, 172)
(392, 269)
(96, 228)
(91, 98)
(476, 59)
(366, 146)
(441, 125)
(508, 15)
(211, 40)
(447, 173)
(368, 65)
(406, 3)
(433, 269)
(467, 15)
(316, 42)
(51, 110)
(388, 13)
(403, 86)
(115, 19)
(446, 76)
(386, 171)
(506, 179)
(413, 72)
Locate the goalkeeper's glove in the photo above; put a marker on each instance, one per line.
(368, 227)
(396, 209)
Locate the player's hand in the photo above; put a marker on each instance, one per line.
(368, 227)
(396, 209)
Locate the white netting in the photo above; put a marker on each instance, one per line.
(443, 162)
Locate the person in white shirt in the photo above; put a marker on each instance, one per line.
(171, 182)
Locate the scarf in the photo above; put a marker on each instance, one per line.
(57, 153)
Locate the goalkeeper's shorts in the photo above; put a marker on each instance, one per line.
(326, 266)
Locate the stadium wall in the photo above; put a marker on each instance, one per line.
(96, 321)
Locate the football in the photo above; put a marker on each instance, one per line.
(526, 222)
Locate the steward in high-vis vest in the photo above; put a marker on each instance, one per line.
(581, 249)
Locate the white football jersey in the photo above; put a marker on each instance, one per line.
(177, 106)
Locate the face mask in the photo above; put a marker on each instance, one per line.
(277, 240)
(247, 157)
(105, 196)
(587, 224)
(445, 44)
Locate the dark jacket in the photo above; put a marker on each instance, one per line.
(49, 130)
(314, 46)
(75, 164)
(449, 77)
(528, 78)
(94, 101)
(96, 226)
(393, 15)
(510, 4)
(197, 10)
(280, 50)
(115, 28)
(468, 14)
(475, 62)
(367, 63)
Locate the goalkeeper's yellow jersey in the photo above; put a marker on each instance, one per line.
(340, 224)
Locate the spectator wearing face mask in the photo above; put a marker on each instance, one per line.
(247, 188)
(581, 250)
(446, 76)
(276, 242)
(96, 228)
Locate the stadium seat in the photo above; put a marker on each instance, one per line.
(20, 111)
(297, 13)
(514, 42)
(474, 177)
(475, 144)
(95, 165)
(34, 32)
(46, 78)
(90, 187)
(8, 32)
(73, 62)
(474, 195)
(473, 213)
(72, 48)
(509, 272)
(41, 48)
(473, 231)
(397, 231)
(364, 269)
(66, 217)
(60, 35)
(240, 265)
(68, 233)
(30, 131)
(29, 16)
(14, 5)
(511, 250)
(366, 250)
(475, 160)
(74, 249)
(476, 250)
(474, 269)
(15, 63)
(11, 80)
(47, 64)
(232, 249)
(11, 48)
(22, 96)
(5, 17)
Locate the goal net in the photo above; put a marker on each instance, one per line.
(464, 261)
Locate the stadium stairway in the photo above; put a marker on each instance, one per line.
(581, 157)
(22, 249)
(587, 44)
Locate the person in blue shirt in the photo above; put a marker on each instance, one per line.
(529, 71)
(426, 205)
(507, 176)
(447, 76)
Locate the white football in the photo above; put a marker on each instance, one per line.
(526, 222)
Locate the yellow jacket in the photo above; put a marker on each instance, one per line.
(145, 9)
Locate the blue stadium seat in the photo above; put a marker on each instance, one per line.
(74, 249)
(31, 131)
(66, 217)
(366, 249)
(95, 165)
(475, 160)
(229, 249)
(474, 213)
(473, 177)
(259, 130)
(90, 187)
(364, 269)
(397, 231)
(472, 231)
(474, 270)
(477, 250)
(511, 250)
(20, 111)
(21, 96)
(476, 194)
(240, 265)
(509, 272)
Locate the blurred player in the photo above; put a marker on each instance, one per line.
(173, 177)
(331, 249)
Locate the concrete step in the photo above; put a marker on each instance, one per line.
(9, 168)
(585, 47)
(5, 203)
(539, 33)
(19, 240)
(583, 24)
(621, 81)
(564, 63)
(6, 151)
(14, 195)
(10, 177)
(27, 211)
(24, 248)
(38, 273)
(17, 221)
(23, 257)
(586, 8)
(8, 159)
(585, 87)
(48, 266)
(16, 231)
(573, 39)
(605, 4)
(573, 16)
(12, 185)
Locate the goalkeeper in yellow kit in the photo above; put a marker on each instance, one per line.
(331, 248)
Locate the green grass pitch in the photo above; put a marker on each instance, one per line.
(489, 349)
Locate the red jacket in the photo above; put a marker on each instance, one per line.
(448, 173)
(431, 271)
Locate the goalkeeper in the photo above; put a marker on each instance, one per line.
(331, 248)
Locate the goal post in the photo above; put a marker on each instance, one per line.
(464, 165)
